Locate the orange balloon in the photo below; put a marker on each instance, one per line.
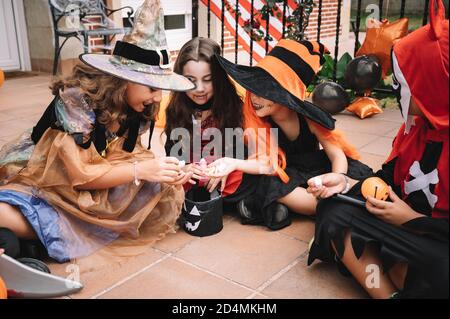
(2, 77)
(375, 187)
(380, 38)
(364, 107)
(3, 290)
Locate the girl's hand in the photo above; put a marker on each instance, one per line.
(222, 167)
(2, 251)
(182, 179)
(160, 170)
(396, 212)
(214, 182)
(196, 171)
(330, 184)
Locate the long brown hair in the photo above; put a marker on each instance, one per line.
(104, 93)
(227, 106)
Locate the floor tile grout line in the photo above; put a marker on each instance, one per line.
(370, 153)
(279, 274)
(179, 248)
(124, 280)
(274, 278)
(195, 239)
(370, 142)
(378, 134)
(254, 294)
(295, 238)
(214, 274)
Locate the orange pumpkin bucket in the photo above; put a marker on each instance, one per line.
(375, 187)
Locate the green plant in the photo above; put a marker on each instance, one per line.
(326, 73)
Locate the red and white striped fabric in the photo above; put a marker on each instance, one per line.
(275, 28)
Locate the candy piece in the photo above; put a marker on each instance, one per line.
(203, 164)
(317, 182)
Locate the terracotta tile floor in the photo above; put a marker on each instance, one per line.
(239, 262)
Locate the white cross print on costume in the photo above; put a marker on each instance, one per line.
(422, 182)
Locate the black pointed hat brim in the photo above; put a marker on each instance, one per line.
(261, 83)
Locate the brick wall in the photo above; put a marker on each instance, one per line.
(327, 29)
(328, 23)
(229, 42)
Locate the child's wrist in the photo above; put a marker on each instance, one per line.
(238, 164)
(346, 183)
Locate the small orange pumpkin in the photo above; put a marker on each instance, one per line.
(3, 290)
(375, 187)
(2, 77)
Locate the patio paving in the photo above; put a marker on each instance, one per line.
(239, 262)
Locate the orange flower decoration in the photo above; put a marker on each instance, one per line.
(364, 107)
(380, 38)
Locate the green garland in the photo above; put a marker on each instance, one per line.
(296, 21)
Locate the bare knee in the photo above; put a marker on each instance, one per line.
(12, 218)
(300, 201)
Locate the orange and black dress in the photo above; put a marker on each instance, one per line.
(305, 160)
(282, 77)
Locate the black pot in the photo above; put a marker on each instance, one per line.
(331, 97)
(363, 73)
(202, 213)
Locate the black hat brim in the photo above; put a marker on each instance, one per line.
(260, 82)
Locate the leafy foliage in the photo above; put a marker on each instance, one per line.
(296, 21)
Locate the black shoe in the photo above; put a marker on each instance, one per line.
(35, 264)
(248, 215)
(9, 242)
(277, 216)
(32, 249)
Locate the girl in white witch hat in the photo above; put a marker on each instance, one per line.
(81, 178)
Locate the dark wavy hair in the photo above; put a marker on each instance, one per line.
(227, 106)
(105, 93)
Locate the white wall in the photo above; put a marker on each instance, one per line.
(14, 52)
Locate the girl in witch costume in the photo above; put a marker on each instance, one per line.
(81, 178)
(214, 103)
(276, 99)
(406, 238)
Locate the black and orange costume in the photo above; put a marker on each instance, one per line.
(417, 170)
(283, 77)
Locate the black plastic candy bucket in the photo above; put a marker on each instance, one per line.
(202, 213)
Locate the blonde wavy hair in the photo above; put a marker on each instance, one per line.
(104, 93)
